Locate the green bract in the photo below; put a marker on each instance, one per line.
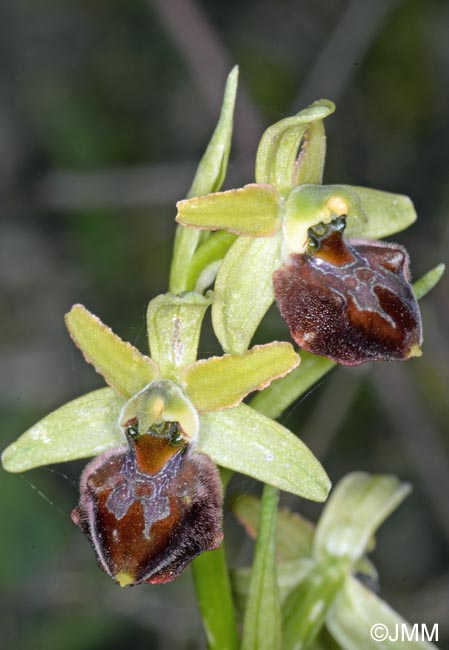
(315, 568)
(209, 178)
(203, 396)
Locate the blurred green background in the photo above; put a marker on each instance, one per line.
(105, 108)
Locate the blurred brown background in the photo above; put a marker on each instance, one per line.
(105, 108)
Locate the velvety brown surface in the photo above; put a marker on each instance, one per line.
(350, 300)
(145, 523)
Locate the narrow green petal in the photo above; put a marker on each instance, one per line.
(278, 148)
(250, 443)
(87, 426)
(428, 281)
(250, 210)
(294, 533)
(174, 326)
(220, 382)
(244, 290)
(283, 392)
(209, 178)
(360, 619)
(262, 622)
(386, 213)
(123, 367)
(307, 605)
(356, 508)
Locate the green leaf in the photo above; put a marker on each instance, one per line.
(278, 148)
(221, 382)
(249, 210)
(283, 392)
(209, 178)
(246, 441)
(214, 597)
(357, 614)
(85, 427)
(123, 367)
(294, 533)
(262, 623)
(211, 251)
(427, 282)
(244, 290)
(306, 607)
(174, 326)
(386, 213)
(356, 508)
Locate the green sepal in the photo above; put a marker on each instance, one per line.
(84, 427)
(385, 213)
(174, 325)
(357, 507)
(250, 210)
(220, 382)
(309, 165)
(357, 613)
(162, 401)
(262, 623)
(278, 148)
(286, 390)
(209, 178)
(306, 607)
(245, 441)
(428, 281)
(243, 290)
(123, 367)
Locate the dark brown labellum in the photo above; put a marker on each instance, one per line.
(150, 509)
(349, 300)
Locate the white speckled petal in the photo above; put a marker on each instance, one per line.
(85, 427)
(248, 442)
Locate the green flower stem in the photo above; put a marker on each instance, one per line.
(215, 602)
(262, 625)
(214, 595)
